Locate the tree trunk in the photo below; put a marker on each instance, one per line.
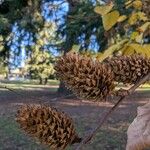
(68, 44)
(62, 90)
(45, 81)
(40, 81)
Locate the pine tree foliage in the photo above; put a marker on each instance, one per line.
(13, 10)
(40, 65)
(40, 62)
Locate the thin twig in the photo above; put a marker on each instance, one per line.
(10, 89)
(40, 99)
(102, 120)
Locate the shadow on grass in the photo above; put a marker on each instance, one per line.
(112, 135)
(109, 138)
(11, 137)
(29, 82)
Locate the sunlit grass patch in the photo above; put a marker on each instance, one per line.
(52, 85)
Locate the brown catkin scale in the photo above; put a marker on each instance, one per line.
(129, 69)
(49, 126)
(85, 77)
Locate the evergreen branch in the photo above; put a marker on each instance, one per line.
(102, 120)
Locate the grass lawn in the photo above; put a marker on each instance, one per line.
(112, 135)
(31, 83)
(144, 87)
(52, 85)
(11, 137)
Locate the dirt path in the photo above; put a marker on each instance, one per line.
(85, 114)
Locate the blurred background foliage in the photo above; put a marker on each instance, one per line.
(33, 33)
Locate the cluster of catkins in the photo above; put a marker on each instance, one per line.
(88, 79)
(48, 125)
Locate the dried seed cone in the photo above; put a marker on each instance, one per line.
(85, 77)
(129, 69)
(49, 126)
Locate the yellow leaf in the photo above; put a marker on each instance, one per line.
(1, 38)
(128, 6)
(147, 47)
(75, 48)
(137, 48)
(88, 53)
(108, 52)
(128, 2)
(139, 38)
(128, 50)
(134, 35)
(99, 56)
(133, 18)
(144, 27)
(110, 19)
(137, 4)
(103, 10)
(122, 18)
(137, 16)
(142, 16)
(40, 42)
(1, 47)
